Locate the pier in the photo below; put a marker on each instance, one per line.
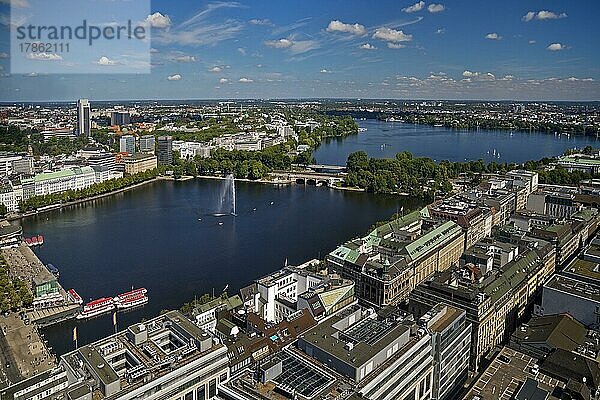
(24, 352)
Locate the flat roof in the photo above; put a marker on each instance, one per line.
(367, 345)
(574, 287)
(507, 372)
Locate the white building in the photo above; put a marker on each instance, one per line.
(451, 344)
(11, 195)
(189, 150)
(127, 144)
(74, 178)
(6, 163)
(147, 144)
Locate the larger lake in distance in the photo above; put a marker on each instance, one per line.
(385, 139)
(161, 237)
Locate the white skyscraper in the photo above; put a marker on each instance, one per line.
(127, 144)
(84, 120)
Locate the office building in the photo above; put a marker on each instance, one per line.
(165, 150)
(23, 166)
(84, 118)
(147, 144)
(165, 357)
(388, 358)
(451, 342)
(139, 162)
(127, 144)
(7, 163)
(475, 218)
(395, 257)
(575, 290)
(74, 178)
(120, 118)
(495, 300)
(514, 375)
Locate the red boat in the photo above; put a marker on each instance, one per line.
(40, 240)
(74, 296)
(133, 298)
(34, 241)
(28, 241)
(97, 307)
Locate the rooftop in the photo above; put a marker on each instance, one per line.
(574, 287)
(505, 375)
(150, 349)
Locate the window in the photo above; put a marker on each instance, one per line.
(223, 377)
(201, 393)
(189, 396)
(212, 388)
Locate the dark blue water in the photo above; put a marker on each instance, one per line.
(152, 237)
(446, 144)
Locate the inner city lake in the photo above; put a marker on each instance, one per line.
(162, 236)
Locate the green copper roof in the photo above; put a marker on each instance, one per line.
(431, 239)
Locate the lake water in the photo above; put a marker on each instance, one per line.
(152, 237)
(385, 139)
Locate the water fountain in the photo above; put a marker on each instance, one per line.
(227, 206)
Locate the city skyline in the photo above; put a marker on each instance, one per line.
(400, 50)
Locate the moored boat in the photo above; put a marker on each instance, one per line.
(97, 307)
(74, 296)
(133, 298)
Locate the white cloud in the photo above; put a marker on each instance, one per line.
(339, 26)
(280, 44)
(532, 42)
(105, 61)
(293, 46)
(391, 35)
(223, 80)
(184, 59)
(556, 47)
(493, 36)
(258, 21)
(440, 31)
(159, 21)
(435, 8)
(395, 45)
(44, 56)
(175, 77)
(242, 51)
(325, 71)
(202, 29)
(216, 68)
(154, 51)
(415, 7)
(542, 15)
(469, 76)
(246, 80)
(529, 16)
(367, 46)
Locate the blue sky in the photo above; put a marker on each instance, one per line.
(523, 50)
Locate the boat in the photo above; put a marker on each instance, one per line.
(438, 125)
(34, 241)
(53, 270)
(40, 240)
(28, 241)
(97, 307)
(74, 296)
(133, 298)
